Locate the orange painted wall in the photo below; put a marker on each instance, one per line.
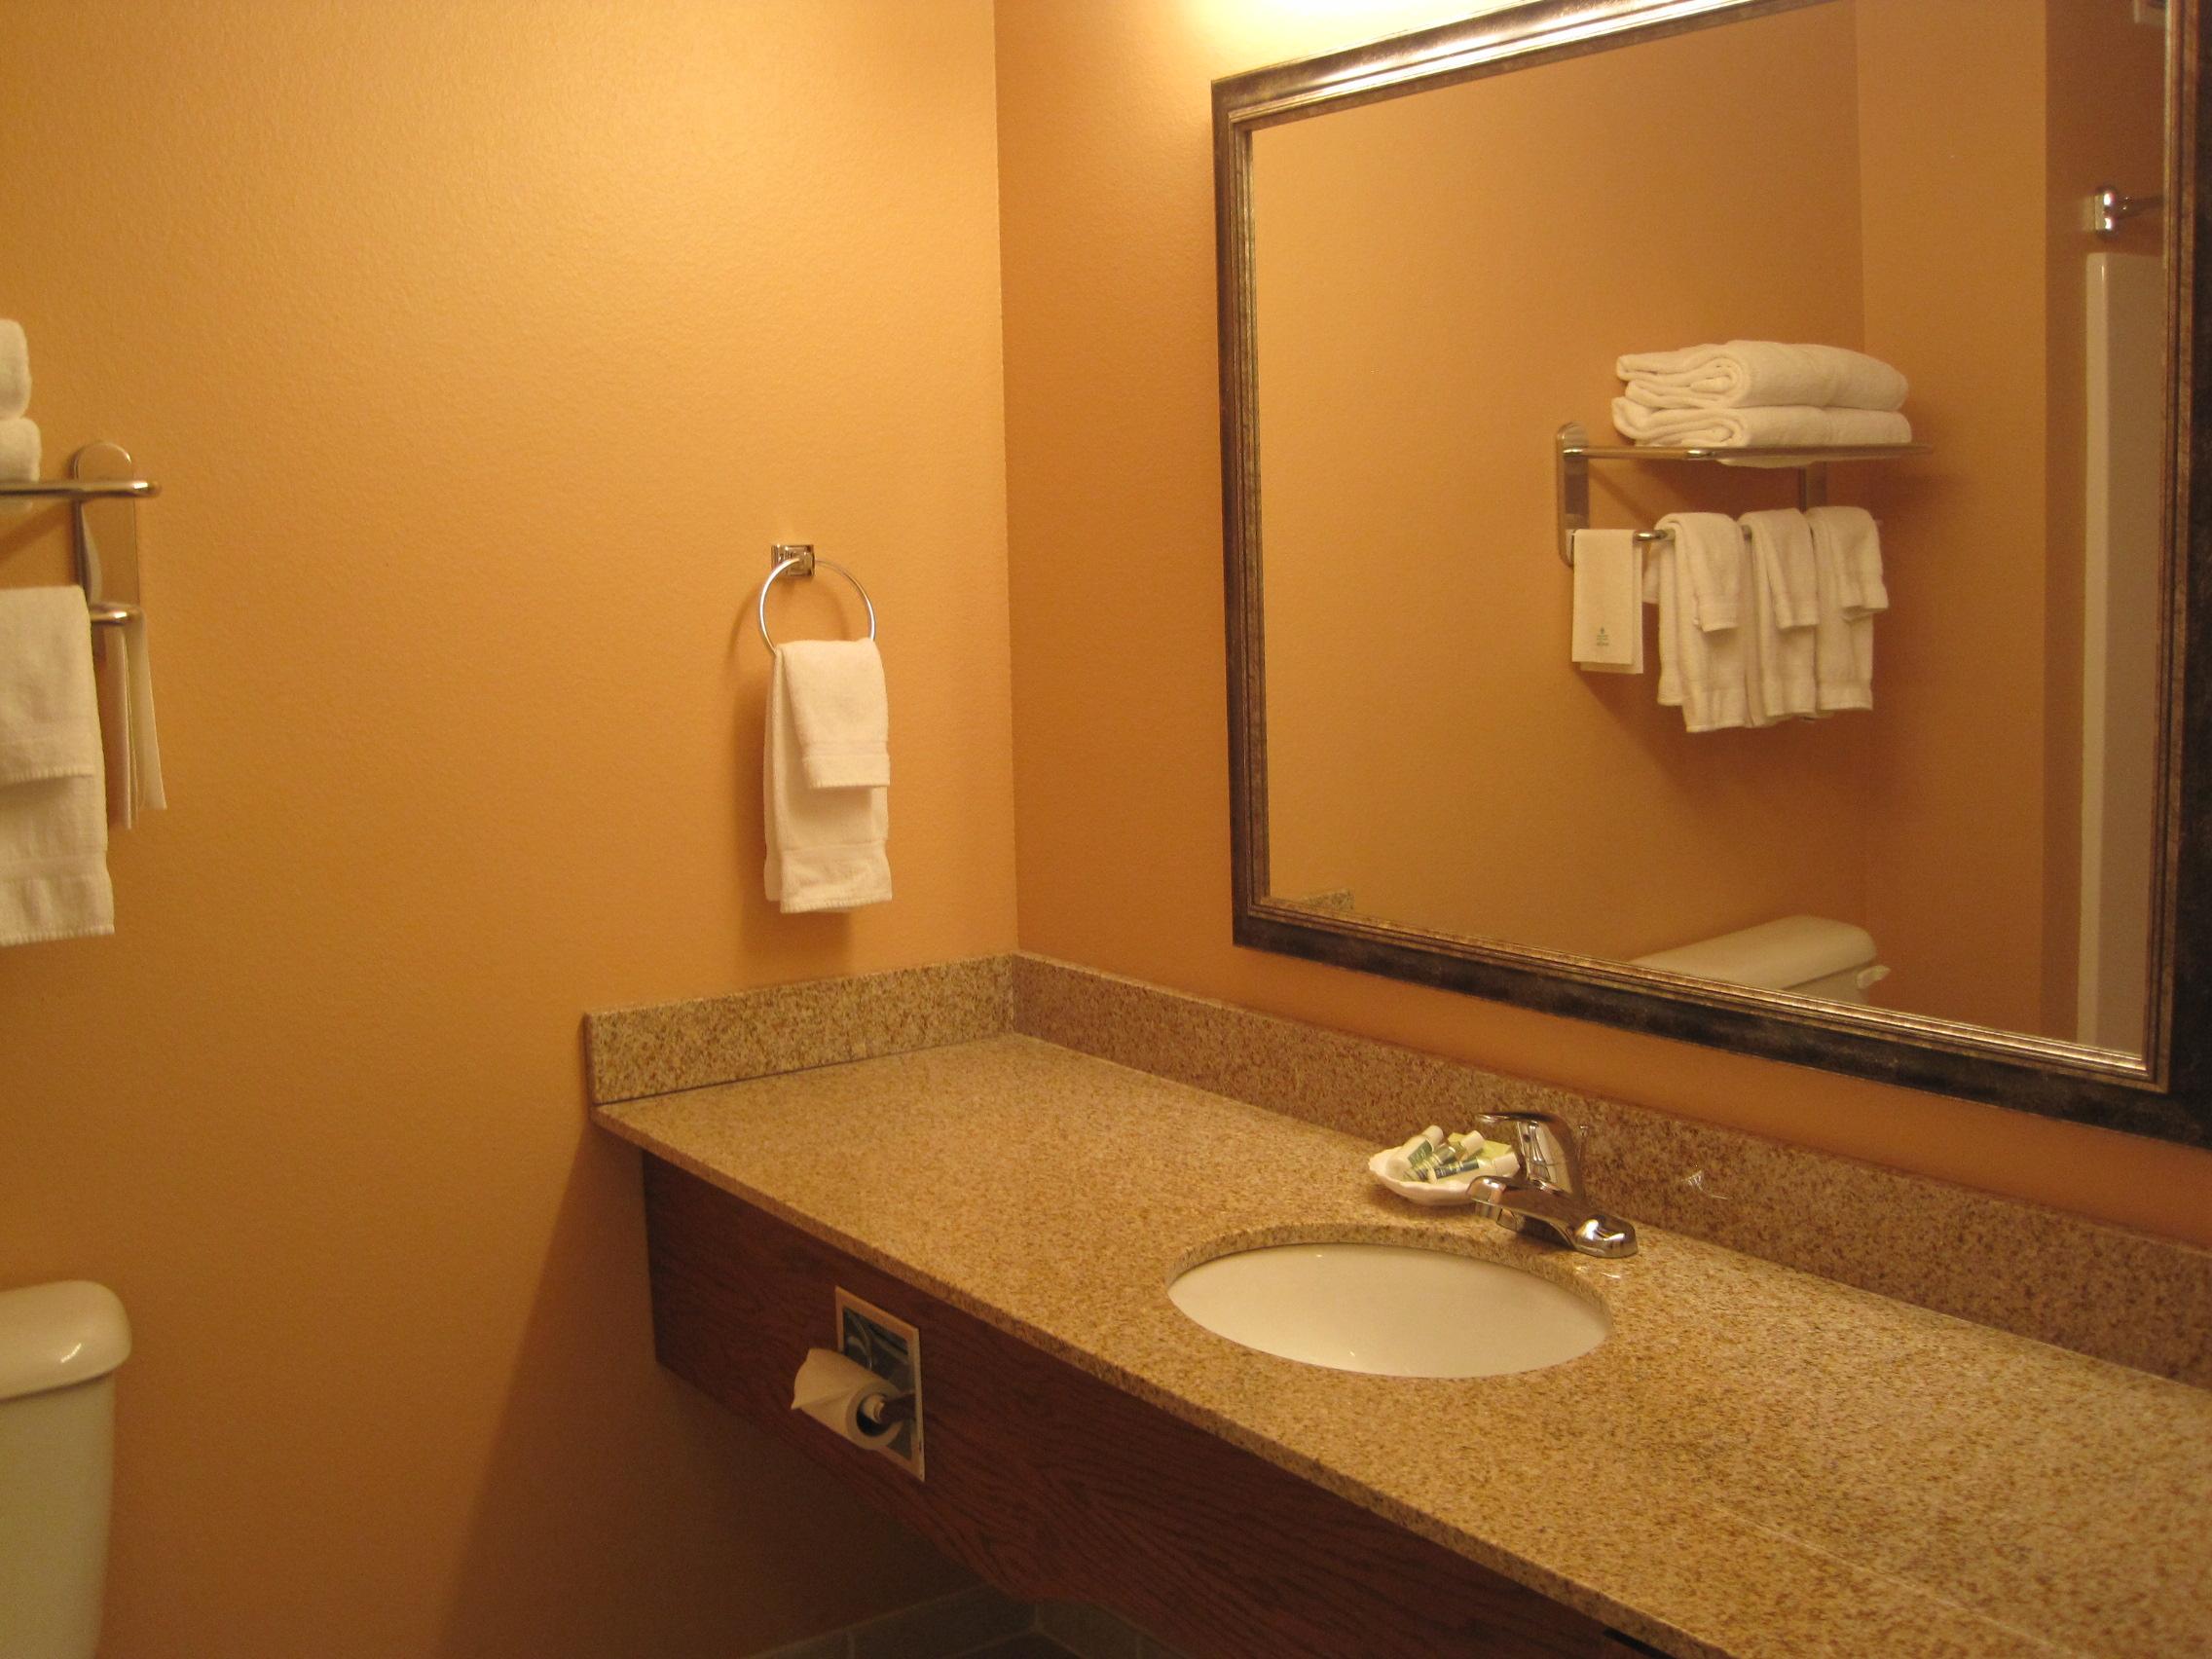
(1954, 236)
(1425, 324)
(1113, 502)
(482, 350)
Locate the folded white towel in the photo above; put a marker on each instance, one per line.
(826, 846)
(1701, 669)
(1733, 428)
(1779, 676)
(1608, 601)
(18, 458)
(840, 711)
(14, 370)
(127, 691)
(1843, 643)
(54, 881)
(1745, 373)
(1858, 541)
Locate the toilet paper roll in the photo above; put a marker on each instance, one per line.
(832, 1389)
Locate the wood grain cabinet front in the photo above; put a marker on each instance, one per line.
(1053, 1484)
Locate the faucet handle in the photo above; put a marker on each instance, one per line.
(1544, 1144)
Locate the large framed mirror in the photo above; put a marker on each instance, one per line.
(1709, 530)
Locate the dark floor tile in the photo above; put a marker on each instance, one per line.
(1023, 1647)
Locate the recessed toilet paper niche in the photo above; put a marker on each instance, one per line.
(869, 1390)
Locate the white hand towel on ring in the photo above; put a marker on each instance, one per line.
(827, 718)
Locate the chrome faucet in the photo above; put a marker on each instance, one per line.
(1548, 1189)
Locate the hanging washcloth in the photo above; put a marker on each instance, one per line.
(1844, 636)
(1752, 372)
(1860, 542)
(1733, 428)
(1695, 578)
(1785, 607)
(54, 881)
(827, 718)
(1608, 601)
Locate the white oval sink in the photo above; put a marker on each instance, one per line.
(1389, 1310)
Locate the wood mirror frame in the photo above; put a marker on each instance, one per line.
(2164, 1092)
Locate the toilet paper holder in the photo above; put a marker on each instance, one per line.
(868, 1385)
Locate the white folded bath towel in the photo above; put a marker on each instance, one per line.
(1700, 669)
(826, 846)
(1780, 678)
(14, 370)
(1608, 629)
(1746, 373)
(840, 711)
(1843, 644)
(1733, 428)
(54, 881)
(18, 458)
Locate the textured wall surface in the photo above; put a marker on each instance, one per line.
(1422, 333)
(1114, 494)
(481, 350)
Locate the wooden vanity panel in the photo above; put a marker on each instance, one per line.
(1055, 1485)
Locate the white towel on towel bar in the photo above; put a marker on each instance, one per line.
(1701, 669)
(1735, 429)
(1844, 636)
(54, 881)
(826, 846)
(1859, 543)
(1747, 373)
(1779, 674)
(1606, 635)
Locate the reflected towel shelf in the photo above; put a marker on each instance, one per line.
(77, 489)
(1752, 455)
(1575, 452)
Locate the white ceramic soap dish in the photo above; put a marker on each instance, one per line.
(1451, 1190)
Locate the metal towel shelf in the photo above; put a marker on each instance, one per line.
(1575, 452)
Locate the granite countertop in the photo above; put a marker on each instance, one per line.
(1756, 1462)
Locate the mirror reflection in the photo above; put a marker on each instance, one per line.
(1879, 723)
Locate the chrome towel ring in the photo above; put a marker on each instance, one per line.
(797, 559)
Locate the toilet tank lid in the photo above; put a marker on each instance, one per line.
(1773, 955)
(55, 1335)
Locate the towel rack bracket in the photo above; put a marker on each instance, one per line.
(1570, 445)
(798, 553)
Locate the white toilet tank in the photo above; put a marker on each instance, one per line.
(60, 1345)
(1810, 956)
